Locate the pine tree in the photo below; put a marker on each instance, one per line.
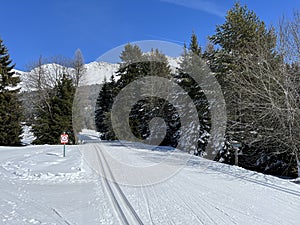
(10, 106)
(155, 64)
(62, 107)
(194, 45)
(128, 71)
(103, 107)
(237, 38)
(136, 65)
(55, 115)
(193, 64)
(131, 54)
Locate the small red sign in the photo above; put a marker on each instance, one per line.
(64, 139)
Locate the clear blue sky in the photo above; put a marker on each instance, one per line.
(31, 28)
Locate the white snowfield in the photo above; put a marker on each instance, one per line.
(39, 186)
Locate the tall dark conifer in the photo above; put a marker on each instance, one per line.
(10, 106)
(192, 64)
(103, 107)
(136, 64)
(55, 115)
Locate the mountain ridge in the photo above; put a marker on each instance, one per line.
(95, 72)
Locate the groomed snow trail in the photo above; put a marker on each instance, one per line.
(125, 211)
(92, 186)
(202, 192)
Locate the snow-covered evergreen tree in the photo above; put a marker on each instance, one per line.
(103, 107)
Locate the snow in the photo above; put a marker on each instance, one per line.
(39, 186)
(27, 136)
(14, 88)
(174, 62)
(95, 72)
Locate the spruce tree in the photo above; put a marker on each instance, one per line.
(194, 45)
(136, 64)
(103, 107)
(10, 106)
(155, 64)
(129, 69)
(131, 54)
(55, 116)
(193, 64)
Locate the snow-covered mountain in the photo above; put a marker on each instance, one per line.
(95, 72)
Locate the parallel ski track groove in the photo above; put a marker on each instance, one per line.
(112, 194)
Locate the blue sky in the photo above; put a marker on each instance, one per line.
(58, 27)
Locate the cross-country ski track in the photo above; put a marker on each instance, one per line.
(88, 186)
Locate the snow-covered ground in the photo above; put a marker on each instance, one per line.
(39, 186)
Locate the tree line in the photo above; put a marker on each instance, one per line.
(258, 70)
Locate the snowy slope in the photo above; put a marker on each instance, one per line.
(38, 186)
(95, 71)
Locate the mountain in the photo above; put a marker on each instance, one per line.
(95, 73)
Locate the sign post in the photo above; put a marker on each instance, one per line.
(64, 139)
